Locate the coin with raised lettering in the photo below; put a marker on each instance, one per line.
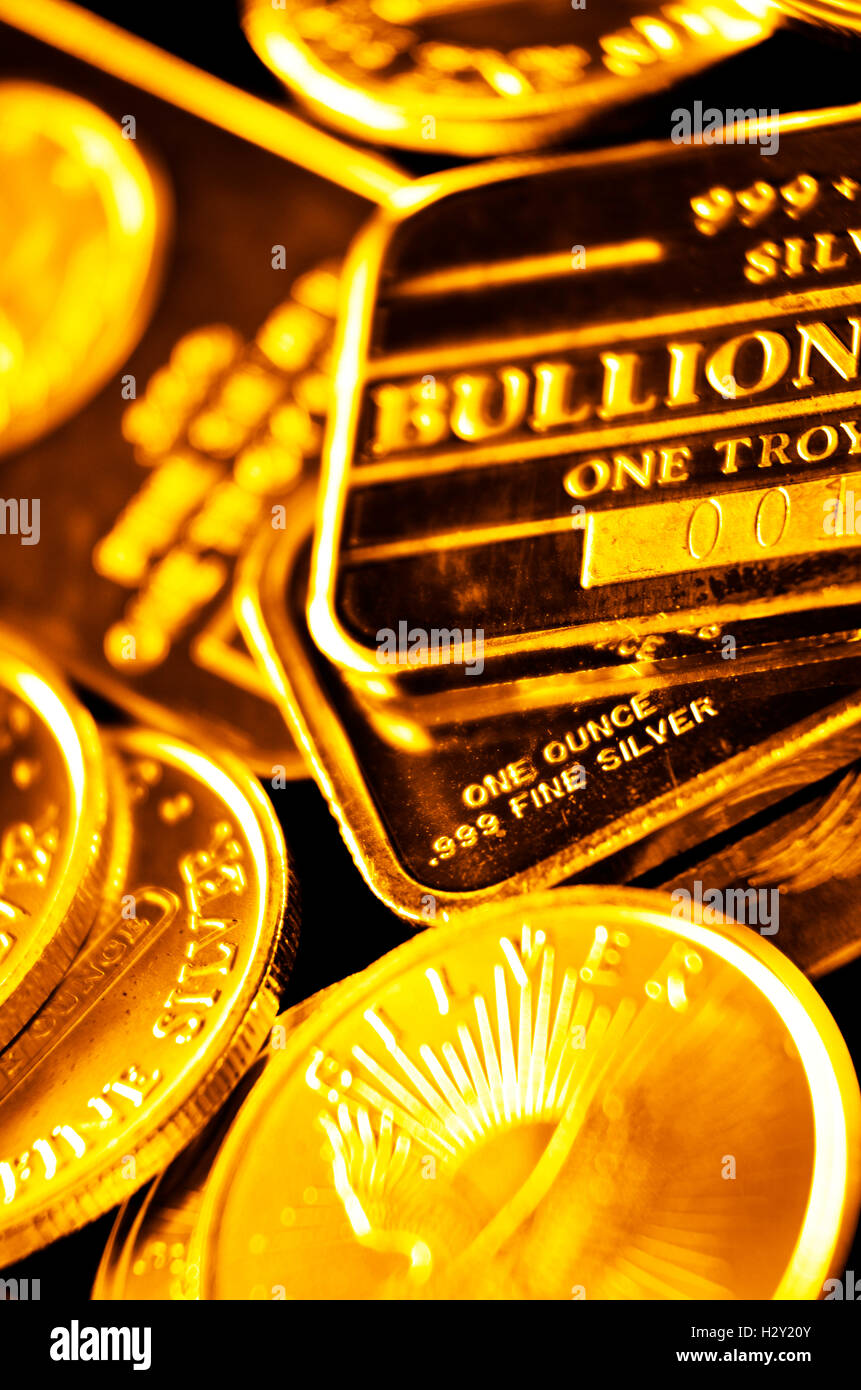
(84, 222)
(443, 807)
(164, 1009)
(480, 76)
(574, 1096)
(634, 373)
(210, 416)
(53, 831)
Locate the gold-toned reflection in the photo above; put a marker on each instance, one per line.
(476, 77)
(53, 831)
(84, 219)
(838, 14)
(165, 1005)
(576, 1096)
(149, 1256)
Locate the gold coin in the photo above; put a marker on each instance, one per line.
(164, 1009)
(572, 1096)
(84, 218)
(479, 76)
(53, 808)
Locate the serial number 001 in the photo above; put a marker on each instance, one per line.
(676, 536)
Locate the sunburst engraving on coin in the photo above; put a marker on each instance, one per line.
(539, 1098)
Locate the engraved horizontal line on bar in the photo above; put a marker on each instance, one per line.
(596, 634)
(463, 355)
(422, 465)
(466, 538)
(479, 277)
(453, 540)
(582, 686)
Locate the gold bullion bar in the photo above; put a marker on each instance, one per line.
(165, 1007)
(512, 796)
(537, 1101)
(795, 879)
(172, 279)
(476, 77)
(839, 14)
(598, 408)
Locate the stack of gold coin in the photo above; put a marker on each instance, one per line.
(148, 922)
(513, 504)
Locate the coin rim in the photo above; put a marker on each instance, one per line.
(201, 1090)
(70, 913)
(112, 1277)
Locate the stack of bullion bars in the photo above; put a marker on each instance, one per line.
(520, 514)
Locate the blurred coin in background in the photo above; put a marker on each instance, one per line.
(84, 221)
